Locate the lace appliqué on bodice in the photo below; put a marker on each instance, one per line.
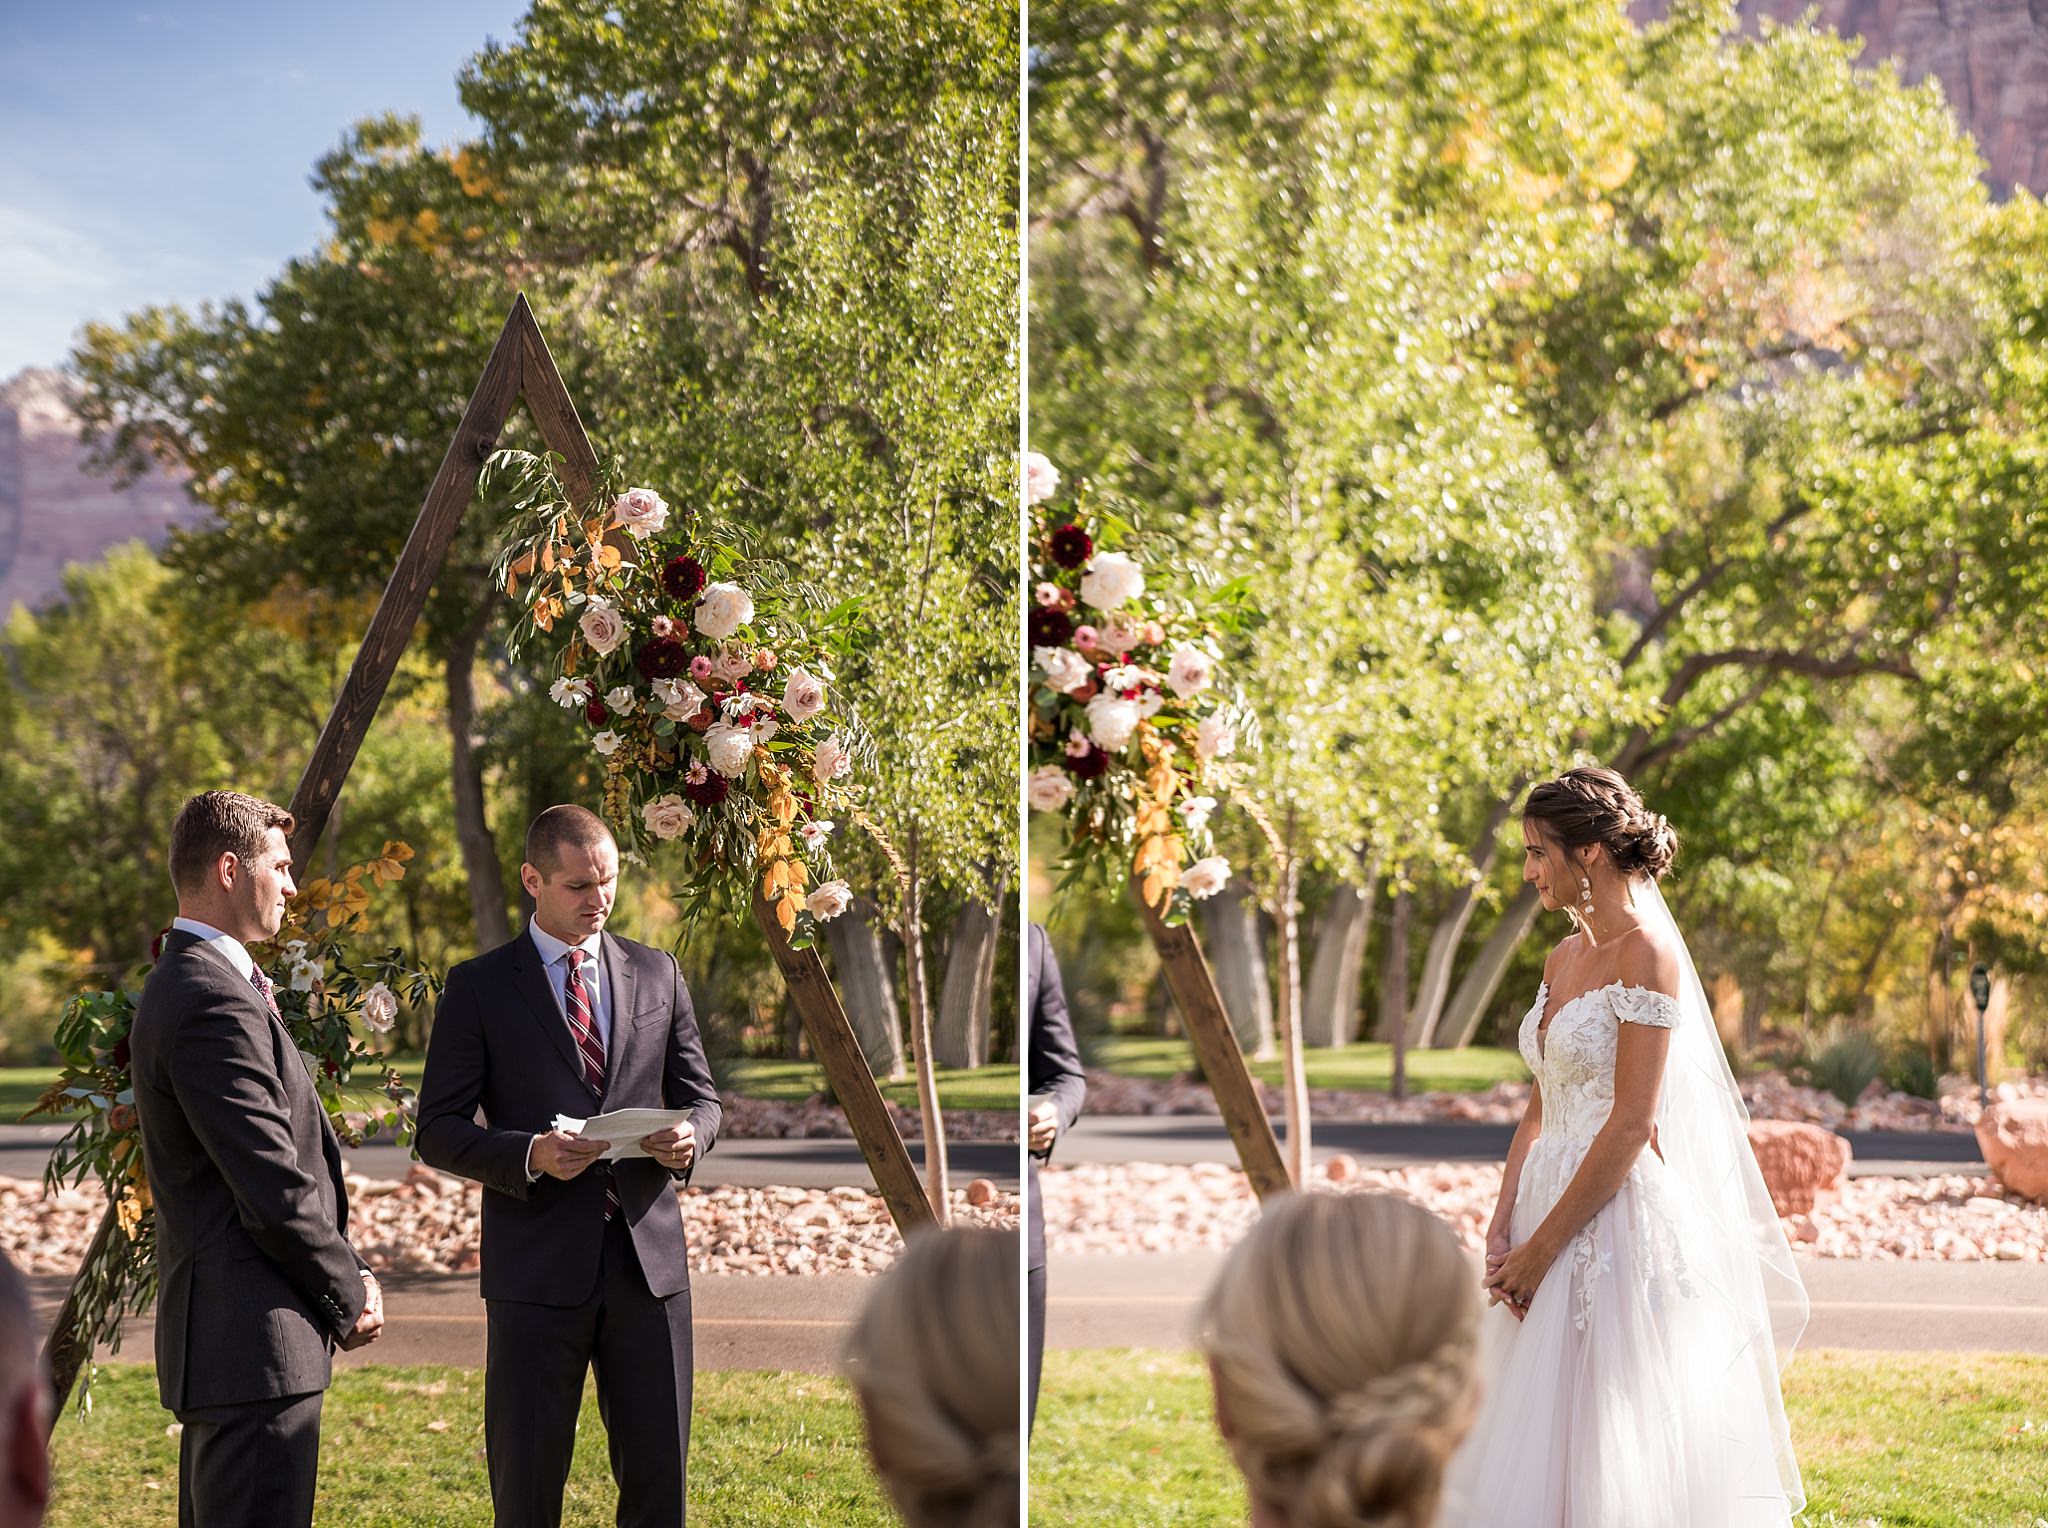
(1573, 1062)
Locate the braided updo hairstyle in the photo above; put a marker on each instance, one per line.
(1596, 806)
(934, 1360)
(1340, 1336)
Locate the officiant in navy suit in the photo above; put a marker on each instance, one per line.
(584, 1262)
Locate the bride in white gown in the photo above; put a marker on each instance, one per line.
(1640, 1281)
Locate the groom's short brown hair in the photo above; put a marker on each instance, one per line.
(559, 828)
(216, 823)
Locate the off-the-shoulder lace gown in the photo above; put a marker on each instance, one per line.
(1612, 1404)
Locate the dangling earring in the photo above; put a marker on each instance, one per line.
(1585, 897)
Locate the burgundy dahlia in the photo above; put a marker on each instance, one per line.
(595, 713)
(1088, 766)
(682, 577)
(1071, 546)
(1050, 628)
(119, 1055)
(708, 791)
(663, 658)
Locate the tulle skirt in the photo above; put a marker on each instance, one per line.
(1632, 1395)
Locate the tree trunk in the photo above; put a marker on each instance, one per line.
(1449, 933)
(969, 990)
(1237, 955)
(867, 986)
(935, 1177)
(1293, 1069)
(1330, 1007)
(1482, 979)
(472, 831)
(1393, 1020)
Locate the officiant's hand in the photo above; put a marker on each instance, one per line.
(562, 1155)
(674, 1148)
(1519, 1273)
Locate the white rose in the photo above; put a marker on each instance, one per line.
(295, 949)
(1112, 579)
(603, 627)
(814, 834)
(621, 700)
(380, 1008)
(668, 816)
(829, 900)
(1111, 721)
(729, 748)
(1049, 789)
(570, 693)
(723, 609)
(1191, 671)
(832, 760)
(607, 742)
(1041, 477)
(641, 512)
(1214, 737)
(803, 695)
(1205, 877)
(1065, 669)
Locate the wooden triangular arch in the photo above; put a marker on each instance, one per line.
(520, 369)
(1207, 1022)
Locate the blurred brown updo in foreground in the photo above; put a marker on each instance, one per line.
(933, 1360)
(1340, 1336)
(1593, 805)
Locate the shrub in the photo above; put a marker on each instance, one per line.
(1845, 1063)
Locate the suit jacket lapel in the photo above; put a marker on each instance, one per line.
(530, 976)
(619, 979)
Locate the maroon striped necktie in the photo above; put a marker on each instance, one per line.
(590, 1046)
(264, 990)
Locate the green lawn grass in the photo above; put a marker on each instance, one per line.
(983, 1087)
(1368, 1066)
(987, 1087)
(404, 1446)
(1909, 1440)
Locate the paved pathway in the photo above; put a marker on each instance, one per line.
(1150, 1300)
(819, 1163)
(740, 1322)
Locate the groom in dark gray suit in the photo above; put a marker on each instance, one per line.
(256, 1282)
(584, 1263)
(1058, 1087)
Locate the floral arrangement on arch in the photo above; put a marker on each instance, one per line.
(702, 678)
(1130, 722)
(328, 997)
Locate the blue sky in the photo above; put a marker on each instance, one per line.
(160, 152)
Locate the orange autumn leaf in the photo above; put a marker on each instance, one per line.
(785, 914)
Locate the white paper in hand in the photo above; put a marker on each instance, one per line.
(622, 1129)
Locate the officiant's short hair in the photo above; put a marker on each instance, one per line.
(559, 828)
(220, 822)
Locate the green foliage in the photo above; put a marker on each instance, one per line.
(1844, 1063)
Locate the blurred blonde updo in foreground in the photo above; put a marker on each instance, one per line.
(933, 1359)
(1341, 1341)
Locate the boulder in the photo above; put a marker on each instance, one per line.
(2013, 1135)
(1803, 1165)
